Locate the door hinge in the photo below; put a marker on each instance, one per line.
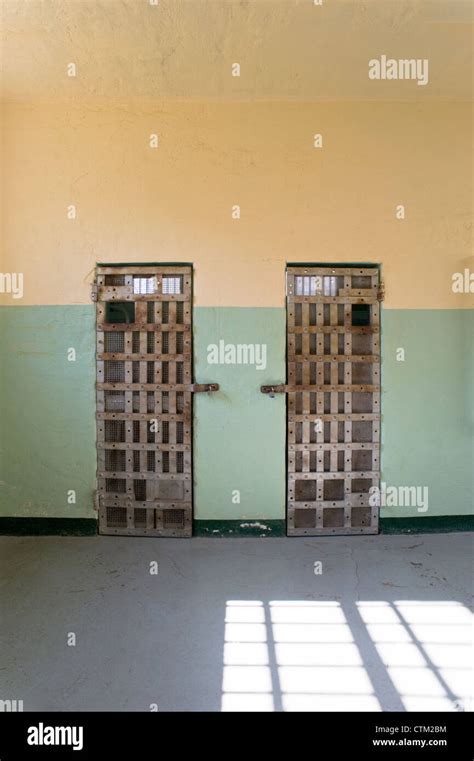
(381, 291)
(94, 292)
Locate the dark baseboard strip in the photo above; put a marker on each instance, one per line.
(231, 528)
(250, 527)
(438, 524)
(48, 526)
(263, 528)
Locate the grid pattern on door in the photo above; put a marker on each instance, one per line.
(333, 349)
(144, 407)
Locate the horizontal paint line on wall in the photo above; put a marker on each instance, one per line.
(235, 528)
(261, 527)
(7, 304)
(48, 526)
(437, 524)
(25, 526)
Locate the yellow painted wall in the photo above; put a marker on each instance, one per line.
(298, 203)
(165, 69)
(286, 49)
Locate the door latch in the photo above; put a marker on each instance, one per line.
(274, 389)
(199, 388)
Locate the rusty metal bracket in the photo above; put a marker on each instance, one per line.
(94, 292)
(381, 291)
(198, 388)
(274, 389)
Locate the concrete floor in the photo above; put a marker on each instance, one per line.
(237, 623)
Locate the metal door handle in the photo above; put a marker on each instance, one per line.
(198, 388)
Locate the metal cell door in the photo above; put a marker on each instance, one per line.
(144, 400)
(333, 409)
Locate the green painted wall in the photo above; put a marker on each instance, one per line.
(239, 432)
(428, 407)
(48, 431)
(47, 411)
